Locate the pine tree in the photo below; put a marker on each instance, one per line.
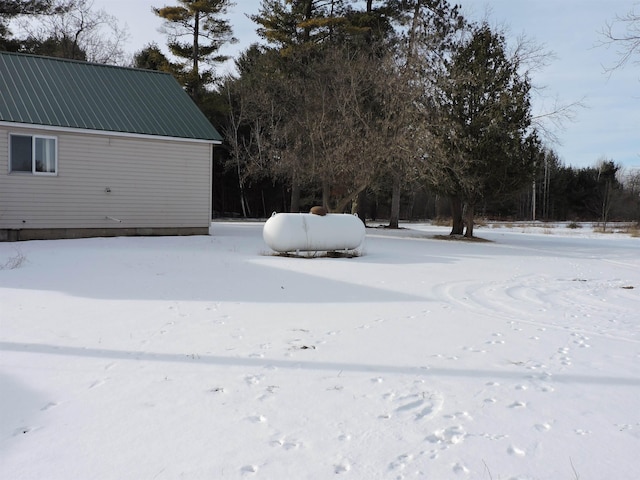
(10, 9)
(200, 23)
(152, 58)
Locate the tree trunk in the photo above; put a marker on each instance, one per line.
(295, 198)
(394, 218)
(326, 195)
(438, 207)
(361, 206)
(469, 214)
(342, 203)
(533, 201)
(456, 215)
(243, 201)
(195, 59)
(606, 205)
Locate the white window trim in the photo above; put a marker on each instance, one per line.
(33, 153)
(55, 159)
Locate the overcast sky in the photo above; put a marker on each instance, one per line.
(608, 125)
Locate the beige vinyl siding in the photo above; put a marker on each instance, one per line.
(153, 183)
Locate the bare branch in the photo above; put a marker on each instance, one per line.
(624, 33)
(548, 121)
(81, 30)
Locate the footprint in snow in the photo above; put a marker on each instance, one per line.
(448, 436)
(97, 383)
(543, 427)
(473, 350)
(459, 415)
(286, 444)
(581, 340)
(249, 469)
(401, 462)
(518, 452)
(49, 406)
(424, 406)
(258, 419)
(253, 379)
(536, 366)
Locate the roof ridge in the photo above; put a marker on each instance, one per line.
(81, 62)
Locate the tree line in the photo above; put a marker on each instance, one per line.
(395, 109)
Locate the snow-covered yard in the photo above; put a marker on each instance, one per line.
(210, 358)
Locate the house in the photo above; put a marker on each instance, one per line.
(96, 150)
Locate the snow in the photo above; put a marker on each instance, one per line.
(211, 358)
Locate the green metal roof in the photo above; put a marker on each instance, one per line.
(65, 93)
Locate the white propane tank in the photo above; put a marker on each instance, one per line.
(292, 232)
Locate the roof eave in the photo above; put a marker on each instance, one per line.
(110, 133)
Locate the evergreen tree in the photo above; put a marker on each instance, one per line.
(290, 23)
(488, 147)
(152, 58)
(61, 47)
(10, 9)
(201, 23)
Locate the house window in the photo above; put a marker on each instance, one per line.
(33, 154)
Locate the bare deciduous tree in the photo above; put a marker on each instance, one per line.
(624, 32)
(78, 31)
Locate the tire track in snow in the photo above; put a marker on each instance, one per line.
(566, 304)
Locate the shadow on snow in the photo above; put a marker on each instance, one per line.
(309, 365)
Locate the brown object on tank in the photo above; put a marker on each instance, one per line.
(317, 210)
